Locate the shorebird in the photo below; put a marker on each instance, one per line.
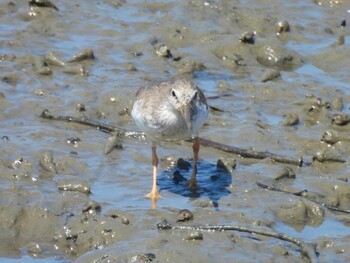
(171, 110)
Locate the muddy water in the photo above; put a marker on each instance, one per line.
(63, 199)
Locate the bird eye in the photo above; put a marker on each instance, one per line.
(173, 93)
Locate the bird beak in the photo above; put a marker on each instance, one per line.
(186, 114)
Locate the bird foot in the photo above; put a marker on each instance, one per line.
(193, 185)
(154, 195)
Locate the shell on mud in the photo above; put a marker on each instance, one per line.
(184, 215)
(78, 70)
(340, 119)
(162, 50)
(75, 185)
(80, 107)
(84, 54)
(44, 71)
(47, 163)
(247, 37)
(330, 137)
(148, 257)
(91, 206)
(195, 235)
(43, 4)
(274, 55)
(328, 155)
(22, 163)
(282, 26)
(52, 59)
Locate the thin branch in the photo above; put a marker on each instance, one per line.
(207, 143)
(98, 125)
(301, 194)
(250, 153)
(272, 188)
(307, 250)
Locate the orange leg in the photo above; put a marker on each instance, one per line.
(193, 180)
(154, 194)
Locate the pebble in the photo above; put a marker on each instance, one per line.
(282, 26)
(84, 54)
(52, 59)
(47, 163)
(45, 71)
(80, 107)
(340, 119)
(91, 207)
(330, 137)
(43, 3)
(76, 70)
(328, 155)
(196, 235)
(74, 185)
(163, 51)
(148, 257)
(184, 215)
(247, 37)
(22, 163)
(39, 92)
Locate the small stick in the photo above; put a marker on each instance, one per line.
(306, 249)
(98, 125)
(272, 188)
(301, 194)
(250, 153)
(204, 142)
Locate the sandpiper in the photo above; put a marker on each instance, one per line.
(171, 110)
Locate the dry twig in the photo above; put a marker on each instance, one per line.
(208, 143)
(307, 250)
(302, 194)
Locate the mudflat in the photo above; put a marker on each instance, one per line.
(275, 74)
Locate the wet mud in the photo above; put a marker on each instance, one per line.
(276, 77)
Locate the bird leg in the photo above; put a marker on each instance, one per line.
(193, 181)
(154, 194)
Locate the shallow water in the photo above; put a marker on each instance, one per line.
(37, 218)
